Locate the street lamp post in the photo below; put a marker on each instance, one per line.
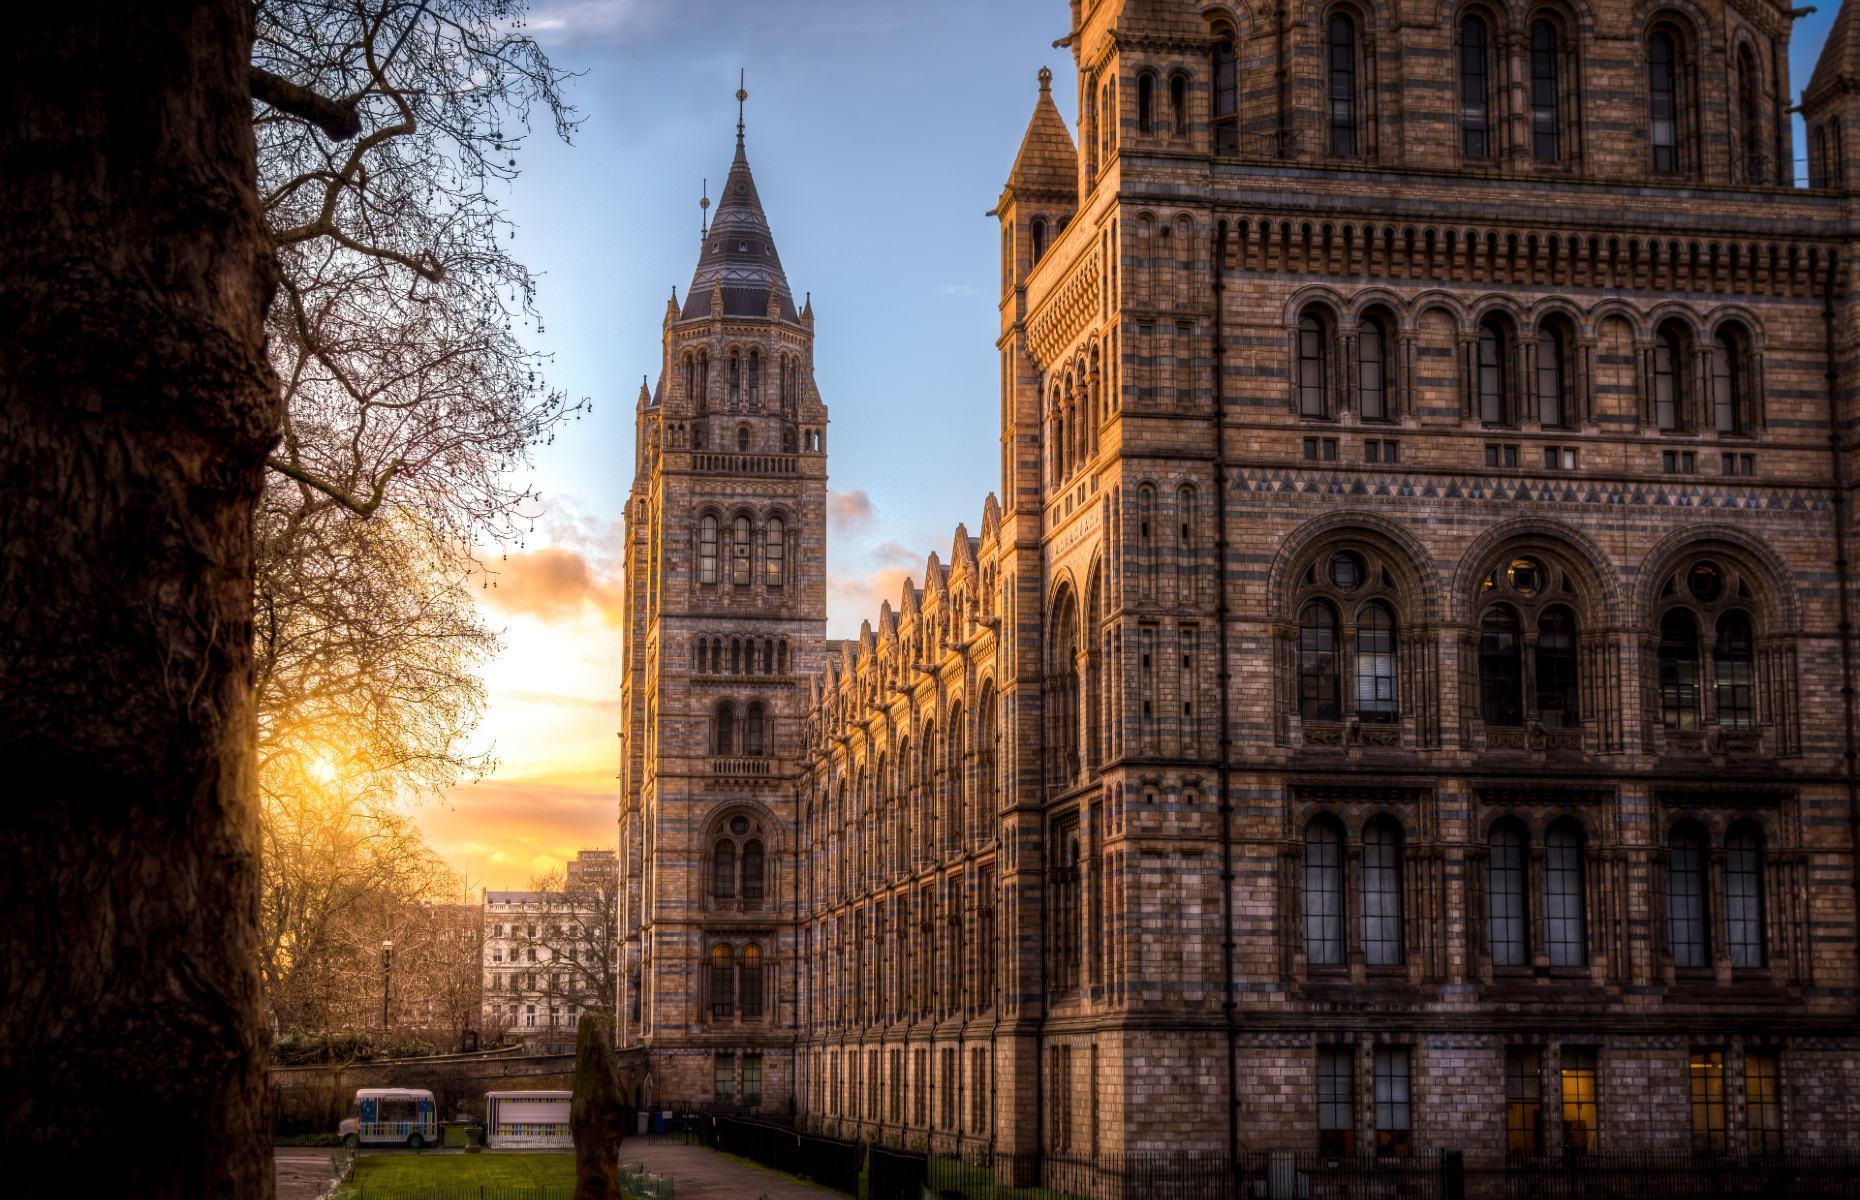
(387, 969)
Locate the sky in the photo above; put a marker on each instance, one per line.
(880, 132)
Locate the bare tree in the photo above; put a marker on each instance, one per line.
(137, 408)
(577, 942)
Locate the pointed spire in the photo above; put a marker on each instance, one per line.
(738, 257)
(742, 94)
(1840, 56)
(704, 215)
(1047, 162)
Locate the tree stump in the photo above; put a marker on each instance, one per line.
(597, 1114)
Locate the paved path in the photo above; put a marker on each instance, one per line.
(701, 1174)
(302, 1171)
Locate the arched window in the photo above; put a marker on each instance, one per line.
(1743, 896)
(1313, 367)
(1679, 670)
(1146, 103)
(1178, 104)
(1507, 906)
(1342, 89)
(749, 967)
(1501, 675)
(756, 731)
(1686, 906)
(1559, 704)
(742, 439)
(1565, 923)
(1664, 117)
(1546, 86)
(1226, 97)
(707, 549)
(755, 379)
(1669, 379)
(1733, 663)
(697, 437)
(1730, 383)
(722, 981)
(723, 730)
(1038, 237)
(1818, 173)
(736, 656)
(1553, 407)
(1753, 168)
(723, 870)
(1318, 698)
(1475, 87)
(1323, 894)
(739, 556)
(691, 375)
(1374, 376)
(774, 552)
(1375, 663)
(1382, 934)
(788, 440)
(1493, 374)
(736, 379)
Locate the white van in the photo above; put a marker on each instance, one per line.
(532, 1120)
(392, 1117)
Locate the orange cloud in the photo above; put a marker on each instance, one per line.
(553, 584)
(857, 599)
(848, 511)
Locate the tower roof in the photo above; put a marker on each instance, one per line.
(1047, 161)
(1840, 55)
(739, 253)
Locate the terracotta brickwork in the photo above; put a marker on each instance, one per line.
(1405, 661)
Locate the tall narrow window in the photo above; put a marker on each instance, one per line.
(1580, 1099)
(723, 1078)
(1178, 104)
(1372, 371)
(1685, 903)
(1669, 398)
(1146, 103)
(723, 729)
(749, 967)
(1493, 410)
(1375, 663)
(774, 552)
(1733, 661)
(1706, 1091)
(1394, 1107)
(1565, 925)
(753, 882)
(1678, 656)
(1743, 896)
(1663, 102)
(1382, 933)
(1750, 118)
(1501, 674)
(722, 981)
(736, 379)
(739, 553)
(1313, 368)
(723, 870)
(1336, 1071)
(1763, 1100)
(1730, 384)
(752, 1078)
(703, 381)
(1037, 241)
(755, 731)
(1226, 98)
(755, 379)
(1558, 698)
(1552, 407)
(707, 549)
(1324, 894)
(1342, 46)
(1524, 1101)
(1475, 88)
(1318, 698)
(1507, 914)
(1546, 144)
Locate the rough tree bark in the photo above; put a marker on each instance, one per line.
(136, 410)
(595, 1115)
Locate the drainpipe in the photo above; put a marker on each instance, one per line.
(1850, 765)
(1219, 424)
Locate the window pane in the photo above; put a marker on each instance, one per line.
(1734, 673)
(1382, 940)
(1666, 380)
(1558, 697)
(1763, 1100)
(1501, 681)
(1578, 1077)
(1686, 900)
(1336, 1101)
(1317, 664)
(723, 1082)
(1323, 895)
(1679, 670)
(1371, 372)
(1550, 408)
(775, 552)
(1474, 92)
(1743, 897)
(1706, 1078)
(1394, 1119)
(723, 870)
(1313, 367)
(1492, 408)
(1524, 1107)
(1544, 83)
(1663, 102)
(1565, 937)
(1342, 85)
(1505, 901)
(1375, 663)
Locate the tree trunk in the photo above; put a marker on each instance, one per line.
(595, 1114)
(136, 409)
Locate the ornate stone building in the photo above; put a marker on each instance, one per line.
(1400, 700)
(726, 611)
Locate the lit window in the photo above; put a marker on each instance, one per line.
(1706, 1091)
(1580, 1105)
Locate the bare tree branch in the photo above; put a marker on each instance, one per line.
(337, 118)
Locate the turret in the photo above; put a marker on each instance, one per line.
(1041, 193)
(1831, 104)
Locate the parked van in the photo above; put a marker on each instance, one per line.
(392, 1117)
(533, 1120)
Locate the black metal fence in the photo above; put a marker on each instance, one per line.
(1669, 1177)
(827, 1161)
(462, 1191)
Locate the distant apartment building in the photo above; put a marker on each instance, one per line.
(548, 955)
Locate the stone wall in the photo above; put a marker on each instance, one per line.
(315, 1099)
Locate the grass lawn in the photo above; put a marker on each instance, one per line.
(445, 1176)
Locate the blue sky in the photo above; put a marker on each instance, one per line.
(880, 133)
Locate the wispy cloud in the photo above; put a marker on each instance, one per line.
(849, 511)
(959, 291)
(554, 584)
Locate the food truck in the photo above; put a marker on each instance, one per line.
(392, 1117)
(532, 1120)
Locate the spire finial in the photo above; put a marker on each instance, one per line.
(742, 94)
(1046, 80)
(704, 213)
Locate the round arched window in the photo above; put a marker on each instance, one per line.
(1346, 569)
(1525, 576)
(1705, 581)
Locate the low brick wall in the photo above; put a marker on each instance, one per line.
(314, 1099)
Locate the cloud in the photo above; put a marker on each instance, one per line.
(586, 20)
(897, 554)
(847, 511)
(959, 291)
(865, 594)
(554, 584)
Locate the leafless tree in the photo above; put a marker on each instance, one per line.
(577, 943)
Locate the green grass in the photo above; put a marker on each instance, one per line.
(503, 1176)
(970, 1179)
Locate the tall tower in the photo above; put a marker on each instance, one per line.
(726, 620)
